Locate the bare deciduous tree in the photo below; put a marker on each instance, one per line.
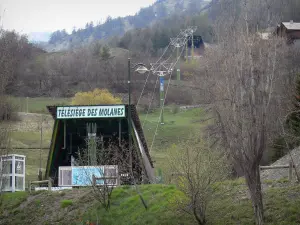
(197, 167)
(247, 77)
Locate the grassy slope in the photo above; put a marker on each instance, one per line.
(230, 207)
(36, 105)
(233, 207)
(178, 127)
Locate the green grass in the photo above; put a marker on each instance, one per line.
(127, 208)
(13, 200)
(177, 128)
(33, 156)
(30, 139)
(36, 105)
(230, 206)
(66, 203)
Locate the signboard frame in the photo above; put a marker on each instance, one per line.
(77, 174)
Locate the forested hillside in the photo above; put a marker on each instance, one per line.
(118, 26)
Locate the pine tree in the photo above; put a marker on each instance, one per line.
(293, 120)
(105, 54)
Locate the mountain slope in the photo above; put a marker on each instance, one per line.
(161, 9)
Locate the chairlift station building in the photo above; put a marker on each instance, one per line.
(73, 125)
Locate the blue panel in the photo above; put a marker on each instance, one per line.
(162, 83)
(83, 176)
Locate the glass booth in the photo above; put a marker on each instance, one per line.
(12, 173)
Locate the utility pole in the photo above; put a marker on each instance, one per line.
(27, 104)
(129, 116)
(178, 64)
(161, 69)
(192, 48)
(178, 43)
(40, 175)
(162, 96)
(186, 52)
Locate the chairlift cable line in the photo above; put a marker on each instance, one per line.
(162, 108)
(155, 71)
(159, 118)
(151, 100)
(143, 88)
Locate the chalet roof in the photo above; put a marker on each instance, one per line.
(291, 25)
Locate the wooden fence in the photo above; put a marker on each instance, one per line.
(289, 166)
(49, 182)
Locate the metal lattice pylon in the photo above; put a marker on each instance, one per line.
(161, 69)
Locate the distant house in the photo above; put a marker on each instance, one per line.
(290, 31)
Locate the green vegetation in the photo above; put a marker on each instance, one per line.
(66, 203)
(13, 200)
(127, 208)
(97, 96)
(232, 206)
(177, 127)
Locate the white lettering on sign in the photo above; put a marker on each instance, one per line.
(70, 112)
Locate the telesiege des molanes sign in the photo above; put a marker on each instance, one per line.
(77, 112)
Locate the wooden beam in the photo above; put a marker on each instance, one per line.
(275, 167)
(49, 182)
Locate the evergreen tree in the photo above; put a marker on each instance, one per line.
(281, 145)
(105, 54)
(293, 120)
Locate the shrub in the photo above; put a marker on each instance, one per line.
(174, 109)
(184, 96)
(97, 96)
(66, 203)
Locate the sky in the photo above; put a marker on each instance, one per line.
(26, 16)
